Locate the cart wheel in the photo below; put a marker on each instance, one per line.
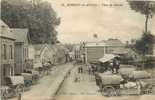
(109, 91)
(19, 89)
(28, 83)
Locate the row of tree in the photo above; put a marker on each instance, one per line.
(36, 15)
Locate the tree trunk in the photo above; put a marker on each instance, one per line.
(146, 23)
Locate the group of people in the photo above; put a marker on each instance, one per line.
(114, 65)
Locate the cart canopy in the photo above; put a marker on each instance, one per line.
(139, 75)
(126, 71)
(107, 57)
(110, 79)
(15, 80)
(27, 76)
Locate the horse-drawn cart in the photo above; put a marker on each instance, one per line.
(138, 82)
(14, 86)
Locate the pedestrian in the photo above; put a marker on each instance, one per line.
(117, 66)
(79, 70)
(89, 69)
(112, 66)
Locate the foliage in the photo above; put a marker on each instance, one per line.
(146, 8)
(145, 44)
(39, 18)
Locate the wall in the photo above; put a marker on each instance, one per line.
(21, 56)
(94, 53)
(154, 50)
(7, 65)
(111, 49)
(18, 58)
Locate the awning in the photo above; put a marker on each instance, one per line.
(107, 57)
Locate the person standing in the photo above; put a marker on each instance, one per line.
(117, 66)
(112, 66)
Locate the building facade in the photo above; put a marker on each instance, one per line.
(21, 49)
(6, 52)
(113, 45)
(95, 50)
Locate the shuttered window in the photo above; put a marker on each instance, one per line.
(4, 52)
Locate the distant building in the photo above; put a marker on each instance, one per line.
(77, 51)
(62, 53)
(6, 52)
(112, 45)
(53, 52)
(21, 49)
(41, 53)
(95, 50)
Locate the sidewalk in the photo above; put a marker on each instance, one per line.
(48, 85)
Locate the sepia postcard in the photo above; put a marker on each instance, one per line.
(77, 50)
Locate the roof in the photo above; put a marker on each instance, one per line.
(95, 44)
(2, 23)
(18, 2)
(107, 57)
(20, 34)
(5, 31)
(109, 42)
(114, 42)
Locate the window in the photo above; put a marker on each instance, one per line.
(27, 52)
(23, 53)
(4, 52)
(11, 52)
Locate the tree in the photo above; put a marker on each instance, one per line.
(146, 8)
(145, 45)
(36, 15)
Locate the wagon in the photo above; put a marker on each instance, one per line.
(108, 83)
(125, 72)
(145, 80)
(135, 83)
(114, 85)
(13, 86)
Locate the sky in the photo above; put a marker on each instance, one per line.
(79, 23)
